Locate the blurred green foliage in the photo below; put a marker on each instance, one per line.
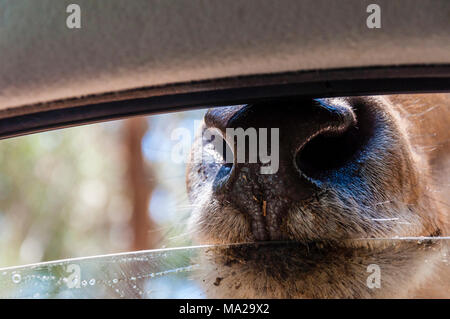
(61, 195)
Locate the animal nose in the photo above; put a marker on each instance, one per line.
(307, 140)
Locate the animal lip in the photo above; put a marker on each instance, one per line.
(325, 249)
(265, 253)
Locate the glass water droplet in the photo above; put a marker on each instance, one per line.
(16, 278)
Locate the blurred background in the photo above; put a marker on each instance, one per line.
(95, 189)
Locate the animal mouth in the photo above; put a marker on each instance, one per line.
(307, 256)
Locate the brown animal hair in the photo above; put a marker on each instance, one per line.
(399, 188)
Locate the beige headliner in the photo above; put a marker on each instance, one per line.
(125, 45)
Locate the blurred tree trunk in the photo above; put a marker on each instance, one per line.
(141, 185)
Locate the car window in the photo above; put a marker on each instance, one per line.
(105, 210)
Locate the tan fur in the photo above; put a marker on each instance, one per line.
(406, 178)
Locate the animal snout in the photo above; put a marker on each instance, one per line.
(283, 153)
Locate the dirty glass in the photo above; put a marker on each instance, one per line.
(162, 273)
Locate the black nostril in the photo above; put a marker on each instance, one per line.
(225, 153)
(223, 174)
(328, 152)
(324, 153)
(222, 177)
